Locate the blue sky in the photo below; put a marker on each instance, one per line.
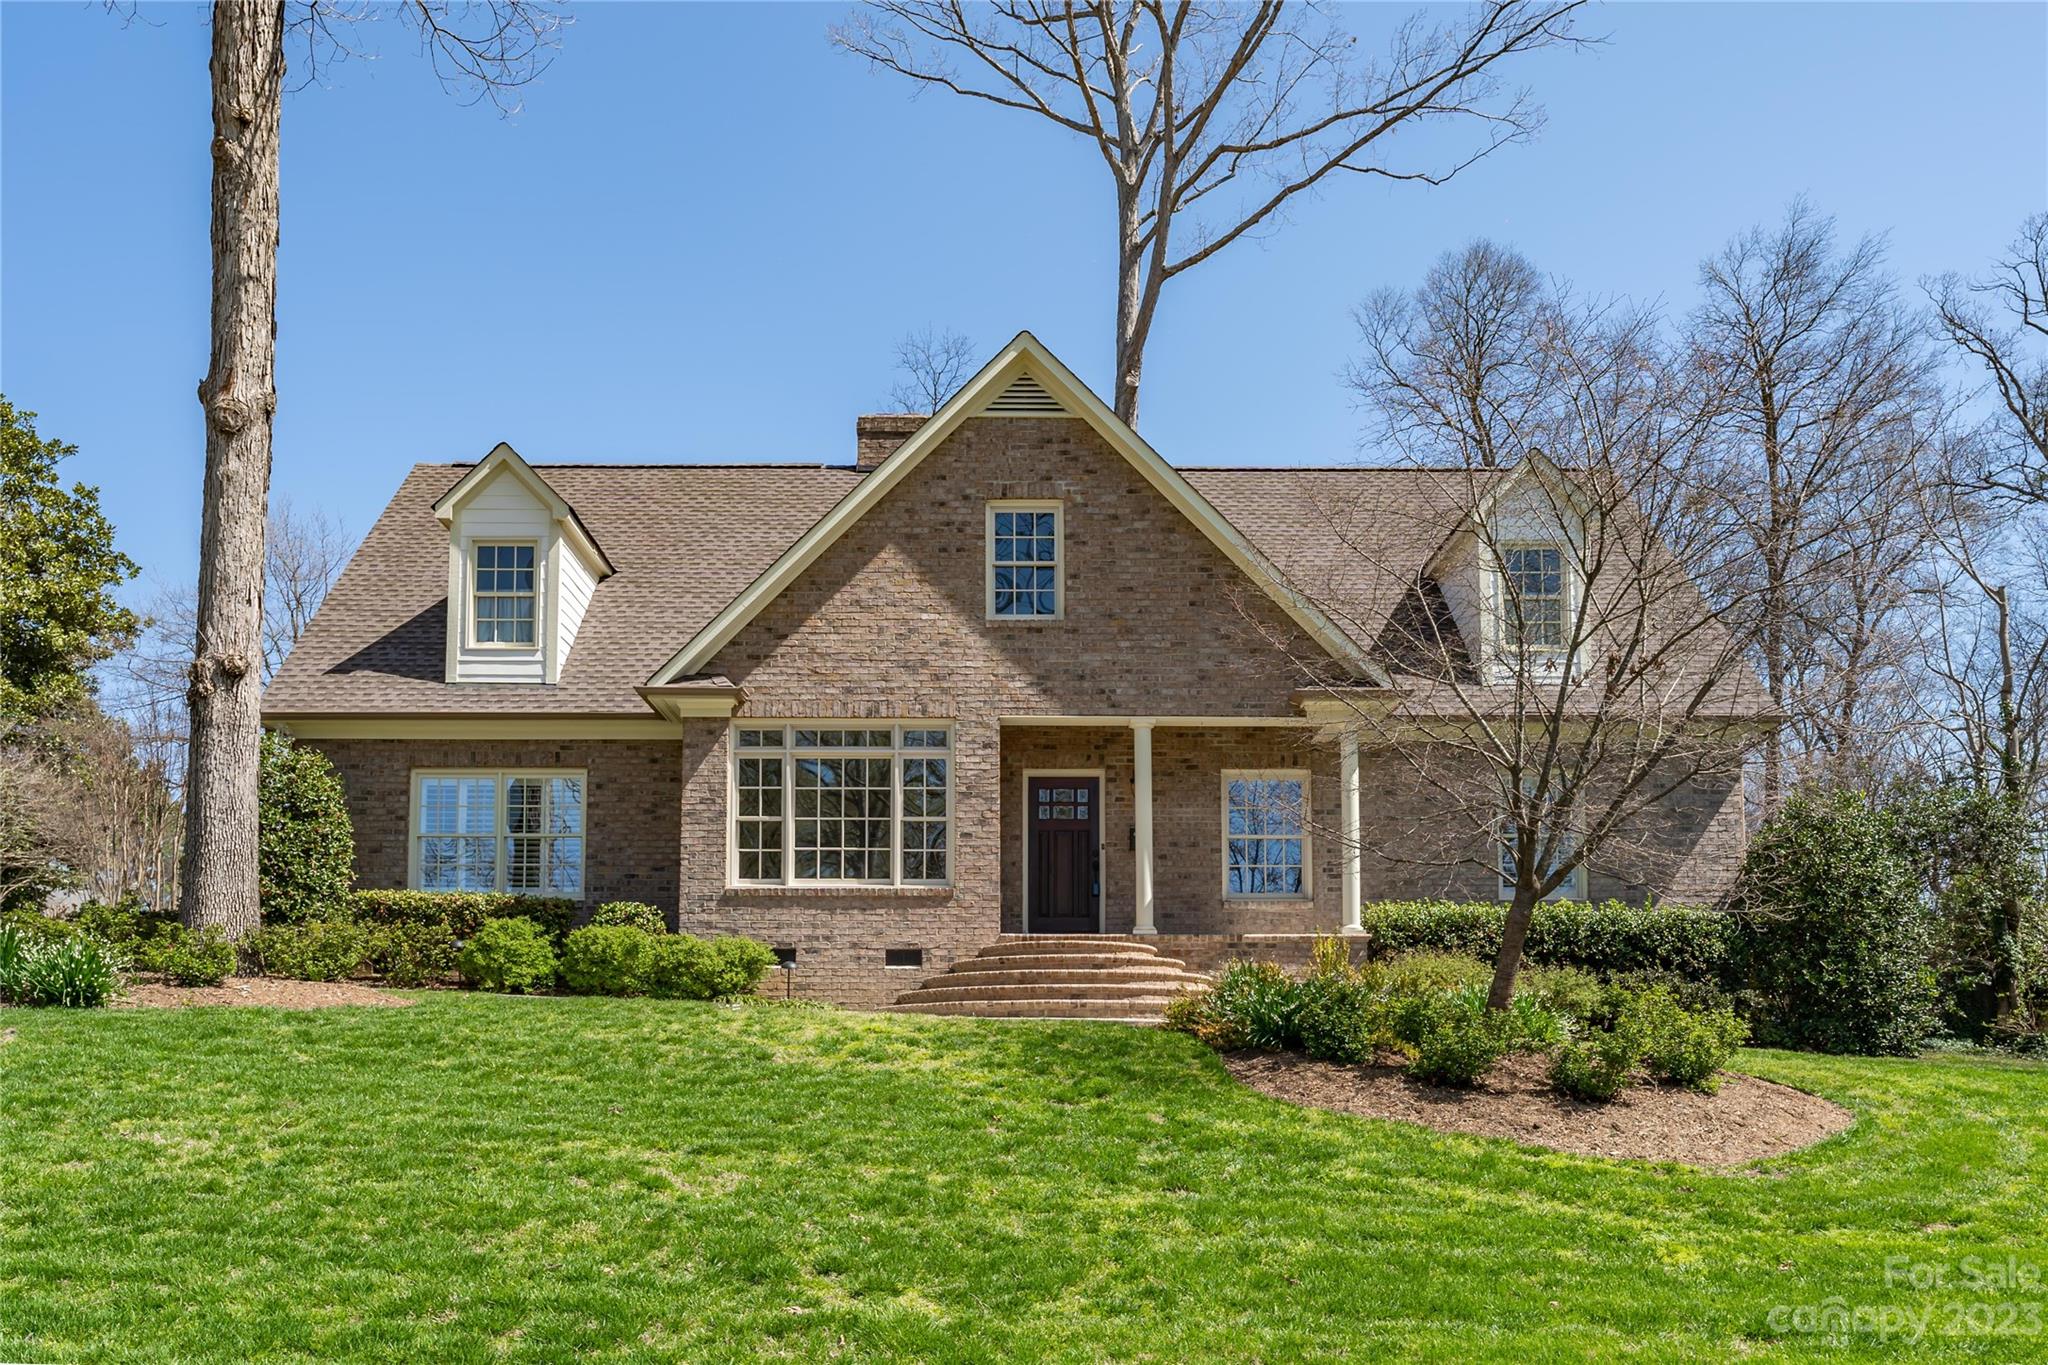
(704, 233)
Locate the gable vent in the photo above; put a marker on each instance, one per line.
(1025, 397)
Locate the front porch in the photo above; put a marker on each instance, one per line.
(1120, 826)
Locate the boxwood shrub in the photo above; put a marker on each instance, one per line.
(464, 912)
(684, 967)
(1607, 938)
(413, 954)
(607, 959)
(511, 954)
(315, 950)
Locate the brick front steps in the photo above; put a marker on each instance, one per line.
(1045, 977)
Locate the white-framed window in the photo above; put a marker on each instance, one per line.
(1535, 598)
(503, 593)
(1572, 888)
(484, 829)
(841, 803)
(1265, 836)
(1026, 561)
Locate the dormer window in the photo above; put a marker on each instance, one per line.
(1025, 561)
(1533, 593)
(503, 597)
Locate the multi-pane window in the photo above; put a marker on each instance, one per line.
(1573, 887)
(841, 804)
(1024, 560)
(1265, 834)
(503, 595)
(499, 831)
(1534, 593)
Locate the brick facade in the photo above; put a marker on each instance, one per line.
(890, 623)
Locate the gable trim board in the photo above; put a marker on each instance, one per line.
(1024, 357)
(504, 457)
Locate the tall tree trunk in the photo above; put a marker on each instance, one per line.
(219, 868)
(1133, 308)
(2006, 984)
(1514, 937)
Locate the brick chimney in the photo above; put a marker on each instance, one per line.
(877, 435)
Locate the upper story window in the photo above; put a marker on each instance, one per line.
(1533, 592)
(1025, 561)
(1265, 835)
(502, 594)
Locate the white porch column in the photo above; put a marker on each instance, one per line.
(1141, 764)
(1348, 827)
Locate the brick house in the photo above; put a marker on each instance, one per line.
(1009, 672)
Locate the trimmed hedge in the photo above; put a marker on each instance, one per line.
(464, 912)
(1608, 938)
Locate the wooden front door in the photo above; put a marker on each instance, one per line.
(1063, 855)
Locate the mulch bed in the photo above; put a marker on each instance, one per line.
(1746, 1120)
(150, 993)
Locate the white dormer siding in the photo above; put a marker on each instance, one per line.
(500, 512)
(503, 503)
(1528, 513)
(576, 583)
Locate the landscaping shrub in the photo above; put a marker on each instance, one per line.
(305, 847)
(123, 923)
(1429, 973)
(607, 959)
(464, 912)
(15, 943)
(510, 954)
(1597, 1065)
(1680, 1045)
(413, 954)
(37, 926)
(316, 950)
(1836, 943)
(634, 914)
(1259, 1004)
(188, 957)
(684, 967)
(1338, 1019)
(1451, 1038)
(1567, 992)
(1605, 938)
(77, 970)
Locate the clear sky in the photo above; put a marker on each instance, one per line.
(702, 236)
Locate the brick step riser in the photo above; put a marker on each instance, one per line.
(1091, 963)
(1104, 990)
(1149, 1008)
(1061, 976)
(1038, 947)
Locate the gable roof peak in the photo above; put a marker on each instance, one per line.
(504, 459)
(1024, 355)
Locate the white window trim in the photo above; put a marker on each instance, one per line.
(499, 775)
(1572, 888)
(541, 616)
(1509, 651)
(790, 752)
(1308, 874)
(1059, 557)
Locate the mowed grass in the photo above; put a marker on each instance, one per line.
(482, 1178)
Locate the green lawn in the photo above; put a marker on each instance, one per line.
(547, 1179)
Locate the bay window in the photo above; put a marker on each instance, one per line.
(838, 803)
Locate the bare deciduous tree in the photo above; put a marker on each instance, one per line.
(1828, 420)
(2012, 350)
(303, 553)
(1211, 117)
(1559, 676)
(489, 46)
(934, 365)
